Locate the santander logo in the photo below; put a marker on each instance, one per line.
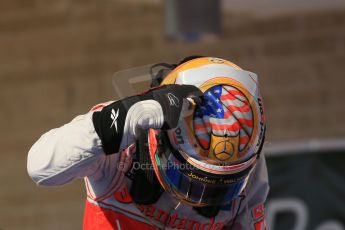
(170, 220)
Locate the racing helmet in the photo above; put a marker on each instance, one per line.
(207, 159)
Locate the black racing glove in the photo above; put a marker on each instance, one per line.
(159, 108)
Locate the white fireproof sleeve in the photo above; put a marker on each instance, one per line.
(65, 153)
(74, 150)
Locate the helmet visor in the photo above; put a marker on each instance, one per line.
(192, 185)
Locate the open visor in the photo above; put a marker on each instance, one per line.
(190, 184)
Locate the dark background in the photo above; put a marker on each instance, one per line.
(307, 189)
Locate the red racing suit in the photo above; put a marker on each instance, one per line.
(75, 151)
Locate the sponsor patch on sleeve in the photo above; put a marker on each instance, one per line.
(258, 214)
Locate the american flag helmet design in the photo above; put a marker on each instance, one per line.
(228, 128)
(225, 112)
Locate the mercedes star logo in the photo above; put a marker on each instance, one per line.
(223, 150)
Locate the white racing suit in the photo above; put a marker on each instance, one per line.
(75, 151)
